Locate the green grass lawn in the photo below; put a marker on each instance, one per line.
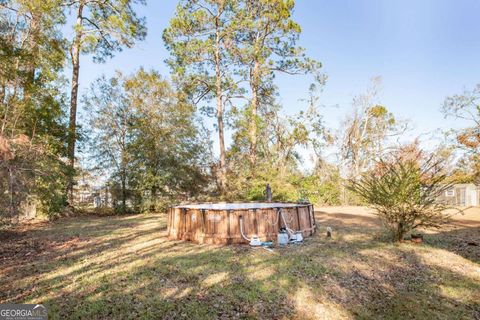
(126, 268)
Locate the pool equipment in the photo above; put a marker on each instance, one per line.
(282, 237)
(267, 243)
(293, 236)
(296, 237)
(218, 223)
(254, 241)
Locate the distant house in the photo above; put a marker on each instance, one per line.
(464, 195)
(89, 192)
(82, 191)
(102, 197)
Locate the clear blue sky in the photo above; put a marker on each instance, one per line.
(424, 50)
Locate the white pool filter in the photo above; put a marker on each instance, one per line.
(282, 238)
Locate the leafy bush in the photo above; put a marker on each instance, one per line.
(405, 193)
(320, 190)
(31, 173)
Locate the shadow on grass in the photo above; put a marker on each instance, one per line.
(460, 236)
(126, 268)
(63, 244)
(464, 241)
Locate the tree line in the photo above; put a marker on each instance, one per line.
(148, 134)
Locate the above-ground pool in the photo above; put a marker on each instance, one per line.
(223, 223)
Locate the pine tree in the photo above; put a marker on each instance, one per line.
(101, 28)
(265, 44)
(198, 38)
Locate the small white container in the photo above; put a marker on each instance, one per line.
(282, 238)
(255, 241)
(298, 237)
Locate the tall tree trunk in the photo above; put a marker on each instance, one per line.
(123, 162)
(219, 93)
(75, 52)
(153, 195)
(124, 191)
(33, 52)
(11, 179)
(254, 84)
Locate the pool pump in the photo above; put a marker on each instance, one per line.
(296, 237)
(255, 241)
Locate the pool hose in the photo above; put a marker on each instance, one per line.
(290, 230)
(241, 230)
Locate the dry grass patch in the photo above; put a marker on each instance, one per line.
(125, 267)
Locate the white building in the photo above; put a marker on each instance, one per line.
(464, 195)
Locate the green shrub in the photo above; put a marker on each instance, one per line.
(404, 194)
